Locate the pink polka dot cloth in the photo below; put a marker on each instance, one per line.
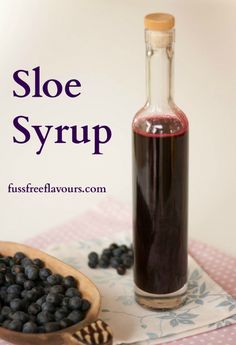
(111, 217)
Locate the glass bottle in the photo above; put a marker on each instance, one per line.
(160, 178)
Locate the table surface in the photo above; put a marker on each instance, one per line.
(108, 58)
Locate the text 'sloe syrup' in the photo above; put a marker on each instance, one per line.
(160, 177)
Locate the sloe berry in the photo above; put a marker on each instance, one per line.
(34, 309)
(121, 270)
(54, 279)
(16, 304)
(44, 273)
(75, 303)
(75, 316)
(29, 284)
(18, 257)
(39, 263)
(15, 325)
(52, 327)
(71, 292)
(69, 282)
(30, 327)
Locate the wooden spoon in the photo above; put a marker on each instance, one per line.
(89, 331)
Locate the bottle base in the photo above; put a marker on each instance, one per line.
(161, 301)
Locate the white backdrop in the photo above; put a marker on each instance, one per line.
(102, 44)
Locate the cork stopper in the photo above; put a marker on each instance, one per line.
(159, 21)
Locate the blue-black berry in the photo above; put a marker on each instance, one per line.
(52, 327)
(50, 307)
(18, 257)
(54, 279)
(34, 309)
(15, 325)
(30, 327)
(85, 305)
(75, 316)
(16, 304)
(38, 262)
(32, 272)
(75, 303)
(45, 317)
(66, 323)
(104, 262)
(69, 282)
(44, 273)
(71, 292)
(34, 300)
(121, 270)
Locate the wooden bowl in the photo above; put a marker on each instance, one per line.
(87, 288)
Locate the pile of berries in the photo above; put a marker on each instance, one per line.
(34, 300)
(117, 256)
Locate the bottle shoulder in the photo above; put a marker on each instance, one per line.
(170, 121)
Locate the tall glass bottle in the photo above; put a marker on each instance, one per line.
(160, 178)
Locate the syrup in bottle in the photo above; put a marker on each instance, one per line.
(160, 178)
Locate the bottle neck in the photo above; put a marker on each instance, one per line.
(159, 70)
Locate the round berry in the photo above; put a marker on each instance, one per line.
(118, 251)
(18, 257)
(44, 317)
(30, 327)
(75, 316)
(107, 252)
(29, 284)
(66, 323)
(16, 304)
(15, 325)
(121, 270)
(10, 279)
(26, 262)
(31, 295)
(54, 298)
(38, 262)
(34, 309)
(14, 289)
(17, 269)
(75, 303)
(6, 323)
(71, 292)
(5, 311)
(20, 279)
(52, 327)
(85, 305)
(38, 290)
(50, 307)
(92, 264)
(32, 272)
(57, 289)
(93, 256)
(104, 262)
(60, 314)
(3, 268)
(115, 262)
(65, 301)
(127, 261)
(41, 300)
(69, 282)
(44, 273)
(54, 279)
(20, 316)
(113, 246)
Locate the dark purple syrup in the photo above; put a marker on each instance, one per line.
(160, 176)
